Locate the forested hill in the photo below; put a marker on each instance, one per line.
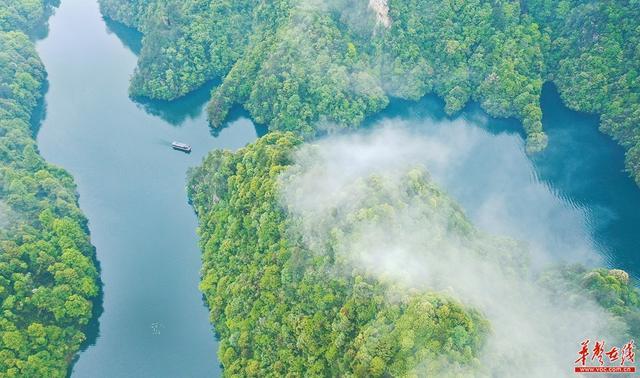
(309, 65)
(307, 286)
(47, 273)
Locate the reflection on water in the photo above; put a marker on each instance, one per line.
(586, 167)
(238, 117)
(130, 37)
(187, 107)
(40, 111)
(573, 201)
(175, 112)
(178, 111)
(132, 190)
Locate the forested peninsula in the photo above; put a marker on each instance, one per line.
(318, 259)
(299, 282)
(303, 292)
(311, 66)
(48, 275)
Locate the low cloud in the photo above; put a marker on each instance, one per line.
(4, 215)
(415, 247)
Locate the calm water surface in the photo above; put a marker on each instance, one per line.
(132, 189)
(572, 202)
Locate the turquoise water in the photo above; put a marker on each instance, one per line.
(132, 189)
(573, 201)
(587, 167)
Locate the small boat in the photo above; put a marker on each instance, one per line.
(181, 146)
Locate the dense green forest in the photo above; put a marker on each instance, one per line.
(275, 307)
(280, 307)
(594, 58)
(309, 66)
(47, 273)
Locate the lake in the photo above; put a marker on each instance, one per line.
(132, 189)
(573, 201)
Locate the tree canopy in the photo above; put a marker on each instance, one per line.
(47, 273)
(311, 66)
(274, 305)
(285, 302)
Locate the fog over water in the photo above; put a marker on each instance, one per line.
(496, 183)
(415, 246)
(572, 202)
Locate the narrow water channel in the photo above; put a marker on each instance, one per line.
(573, 201)
(132, 189)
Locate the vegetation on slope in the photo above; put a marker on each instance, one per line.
(594, 58)
(610, 288)
(186, 43)
(282, 307)
(47, 272)
(274, 306)
(307, 66)
(24, 15)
